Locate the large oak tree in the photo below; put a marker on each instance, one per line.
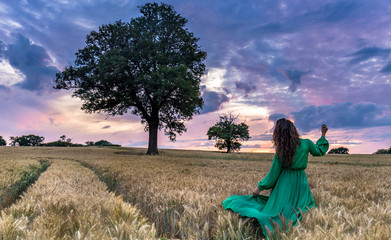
(150, 66)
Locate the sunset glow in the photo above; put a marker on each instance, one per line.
(313, 62)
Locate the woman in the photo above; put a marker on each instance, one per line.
(290, 195)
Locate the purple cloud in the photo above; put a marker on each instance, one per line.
(293, 76)
(342, 115)
(4, 89)
(262, 137)
(245, 86)
(386, 68)
(275, 116)
(212, 101)
(33, 61)
(368, 53)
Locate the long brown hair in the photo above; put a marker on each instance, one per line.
(286, 138)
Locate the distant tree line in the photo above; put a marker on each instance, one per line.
(383, 151)
(62, 142)
(34, 140)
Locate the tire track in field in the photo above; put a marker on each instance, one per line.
(69, 202)
(13, 192)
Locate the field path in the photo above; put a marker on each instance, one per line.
(69, 202)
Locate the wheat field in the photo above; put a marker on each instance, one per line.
(12, 168)
(178, 195)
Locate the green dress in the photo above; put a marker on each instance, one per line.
(290, 195)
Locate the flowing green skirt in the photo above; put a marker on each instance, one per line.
(290, 197)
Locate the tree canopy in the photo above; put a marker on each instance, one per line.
(151, 66)
(2, 141)
(26, 140)
(227, 133)
(383, 151)
(102, 143)
(340, 150)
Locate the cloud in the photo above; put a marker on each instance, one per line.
(245, 86)
(342, 115)
(327, 13)
(262, 137)
(387, 68)
(335, 12)
(256, 119)
(275, 116)
(2, 46)
(293, 76)
(139, 144)
(33, 61)
(250, 146)
(212, 101)
(345, 142)
(368, 53)
(4, 89)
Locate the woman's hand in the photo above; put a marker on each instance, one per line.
(256, 191)
(324, 130)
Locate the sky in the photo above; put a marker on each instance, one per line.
(313, 62)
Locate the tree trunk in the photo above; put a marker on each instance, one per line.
(228, 146)
(153, 131)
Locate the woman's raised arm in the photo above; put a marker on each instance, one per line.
(322, 145)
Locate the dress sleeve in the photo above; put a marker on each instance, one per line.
(271, 178)
(320, 148)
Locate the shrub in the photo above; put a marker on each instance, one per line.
(2, 141)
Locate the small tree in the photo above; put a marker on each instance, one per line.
(151, 67)
(340, 150)
(63, 137)
(228, 134)
(13, 141)
(2, 141)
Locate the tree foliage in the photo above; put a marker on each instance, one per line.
(26, 140)
(63, 142)
(2, 141)
(340, 150)
(227, 133)
(383, 151)
(150, 66)
(102, 143)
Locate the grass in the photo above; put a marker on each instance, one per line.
(180, 193)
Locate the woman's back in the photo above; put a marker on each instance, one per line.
(307, 146)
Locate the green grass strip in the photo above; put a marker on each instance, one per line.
(107, 178)
(12, 193)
